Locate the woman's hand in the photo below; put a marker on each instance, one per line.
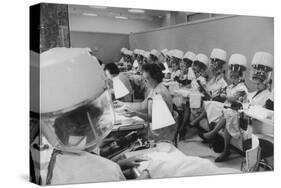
(118, 104)
(130, 162)
(129, 113)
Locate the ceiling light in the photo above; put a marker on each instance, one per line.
(136, 10)
(89, 14)
(121, 17)
(98, 7)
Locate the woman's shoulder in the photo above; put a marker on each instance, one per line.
(161, 89)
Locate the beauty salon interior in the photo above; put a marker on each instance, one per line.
(129, 93)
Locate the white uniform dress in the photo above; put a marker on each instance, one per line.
(260, 98)
(216, 85)
(83, 168)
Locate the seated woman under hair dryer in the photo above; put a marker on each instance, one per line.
(216, 87)
(262, 67)
(137, 60)
(186, 72)
(198, 83)
(176, 58)
(226, 115)
(76, 115)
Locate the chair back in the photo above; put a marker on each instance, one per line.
(252, 156)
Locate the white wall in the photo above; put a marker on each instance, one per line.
(108, 45)
(108, 25)
(238, 34)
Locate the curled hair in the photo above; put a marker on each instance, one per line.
(154, 71)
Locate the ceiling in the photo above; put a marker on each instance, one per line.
(148, 15)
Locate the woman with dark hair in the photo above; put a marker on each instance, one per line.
(153, 76)
(112, 72)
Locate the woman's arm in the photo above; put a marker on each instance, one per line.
(138, 106)
(143, 116)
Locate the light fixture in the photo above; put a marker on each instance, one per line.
(89, 14)
(121, 17)
(98, 7)
(136, 10)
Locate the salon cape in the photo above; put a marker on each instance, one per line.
(84, 167)
(126, 81)
(159, 89)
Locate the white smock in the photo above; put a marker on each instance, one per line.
(260, 98)
(83, 168)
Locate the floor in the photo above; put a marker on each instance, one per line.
(192, 146)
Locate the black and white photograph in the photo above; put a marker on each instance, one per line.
(120, 94)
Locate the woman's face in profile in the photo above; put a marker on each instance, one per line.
(147, 78)
(259, 84)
